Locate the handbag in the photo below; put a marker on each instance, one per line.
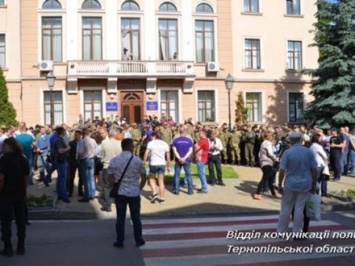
(116, 186)
(313, 207)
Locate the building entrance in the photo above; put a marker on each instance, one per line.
(132, 106)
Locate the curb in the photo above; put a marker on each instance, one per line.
(57, 214)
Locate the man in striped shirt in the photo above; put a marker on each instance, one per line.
(86, 153)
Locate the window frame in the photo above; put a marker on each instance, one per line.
(4, 53)
(204, 11)
(205, 103)
(251, 50)
(293, 13)
(130, 2)
(2, 2)
(91, 3)
(52, 2)
(167, 43)
(169, 101)
(93, 90)
(294, 56)
(250, 11)
(52, 38)
(261, 106)
(131, 37)
(91, 37)
(62, 103)
(168, 4)
(297, 119)
(204, 51)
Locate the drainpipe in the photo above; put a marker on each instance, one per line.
(21, 51)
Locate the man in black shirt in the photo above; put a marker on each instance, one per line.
(336, 144)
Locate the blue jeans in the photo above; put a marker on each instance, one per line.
(42, 165)
(87, 171)
(336, 165)
(134, 204)
(188, 177)
(30, 163)
(51, 168)
(202, 175)
(352, 159)
(322, 180)
(62, 179)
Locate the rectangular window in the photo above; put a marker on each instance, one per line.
(206, 106)
(169, 102)
(52, 39)
(294, 53)
(168, 39)
(92, 38)
(2, 51)
(92, 104)
(253, 103)
(252, 54)
(2, 2)
(293, 7)
(130, 38)
(295, 105)
(204, 34)
(251, 6)
(55, 104)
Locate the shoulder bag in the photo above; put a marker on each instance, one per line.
(116, 186)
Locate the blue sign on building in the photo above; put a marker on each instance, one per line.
(111, 106)
(152, 105)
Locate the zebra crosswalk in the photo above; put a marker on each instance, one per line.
(214, 241)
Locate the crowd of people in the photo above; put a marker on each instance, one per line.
(98, 150)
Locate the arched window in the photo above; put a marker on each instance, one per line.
(204, 8)
(130, 5)
(167, 7)
(91, 4)
(51, 4)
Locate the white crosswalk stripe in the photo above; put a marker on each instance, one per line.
(203, 241)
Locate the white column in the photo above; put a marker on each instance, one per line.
(72, 29)
(186, 32)
(110, 28)
(149, 42)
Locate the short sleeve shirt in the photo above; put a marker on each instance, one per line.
(183, 145)
(130, 181)
(298, 162)
(158, 150)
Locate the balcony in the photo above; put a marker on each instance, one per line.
(122, 69)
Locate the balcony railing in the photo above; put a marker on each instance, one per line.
(130, 68)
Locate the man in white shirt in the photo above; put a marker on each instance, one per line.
(159, 153)
(214, 160)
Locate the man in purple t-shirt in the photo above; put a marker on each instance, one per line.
(182, 147)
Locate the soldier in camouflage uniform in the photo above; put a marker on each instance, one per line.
(224, 137)
(249, 141)
(235, 138)
(137, 137)
(166, 133)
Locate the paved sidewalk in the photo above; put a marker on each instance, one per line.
(235, 197)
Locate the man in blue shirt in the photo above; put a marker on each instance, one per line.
(182, 147)
(26, 141)
(299, 169)
(42, 149)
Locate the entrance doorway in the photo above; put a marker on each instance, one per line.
(132, 106)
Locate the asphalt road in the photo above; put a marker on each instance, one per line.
(52, 243)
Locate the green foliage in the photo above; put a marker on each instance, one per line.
(7, 110)
(39, 201)
(228, 172)
(241, 112)
(333, 89)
